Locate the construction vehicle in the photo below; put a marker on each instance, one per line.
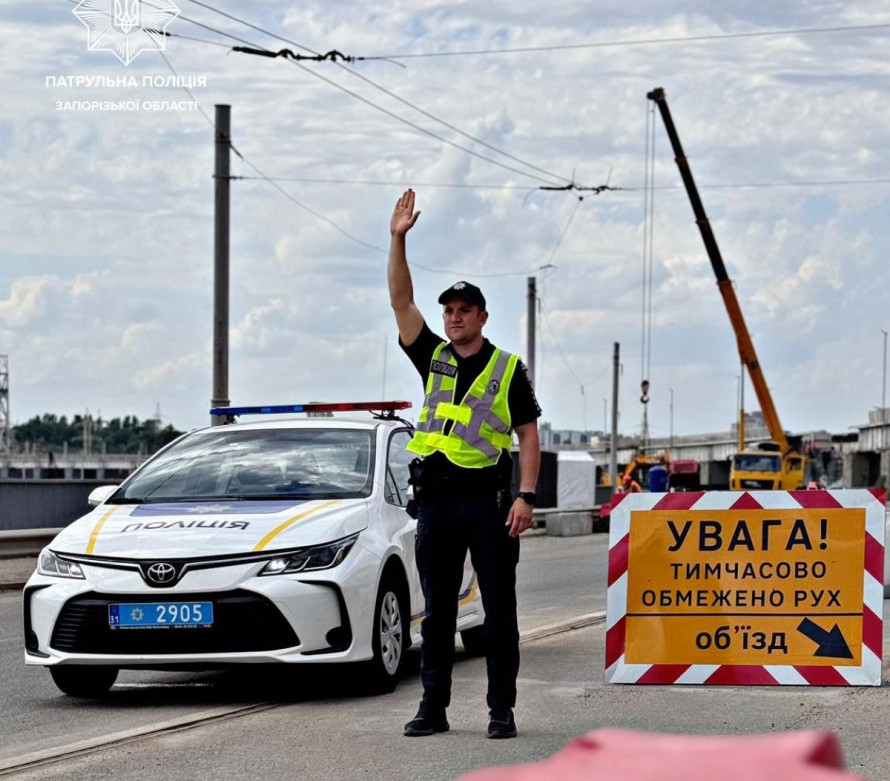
(777, 464)
(642, 463)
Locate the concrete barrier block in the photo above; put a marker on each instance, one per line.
(569, 524)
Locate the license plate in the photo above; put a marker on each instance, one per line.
(160, 615)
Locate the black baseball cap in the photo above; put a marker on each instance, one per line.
(465, 290)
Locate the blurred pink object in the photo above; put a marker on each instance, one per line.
(623, 755)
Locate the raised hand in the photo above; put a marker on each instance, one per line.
(403, 216)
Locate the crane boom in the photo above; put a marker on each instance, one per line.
(724, 283)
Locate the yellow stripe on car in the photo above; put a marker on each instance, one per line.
(94, 534)
(290, 522)
(471, 591)
(466, 596)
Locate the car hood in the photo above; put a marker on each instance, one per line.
(194, 529)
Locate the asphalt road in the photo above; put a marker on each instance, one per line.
(559, 578)
(326, 732)
(318, 724)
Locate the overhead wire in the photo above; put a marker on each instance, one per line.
(651, 252)
(397, 97)
(470, 274)
(645, 248)
(289, 196)
(523, 187)
(648, 268)
(277, 186)
(637, 42)
(455, 185)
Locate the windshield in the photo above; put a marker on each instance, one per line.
(755, 462)
(279, 463)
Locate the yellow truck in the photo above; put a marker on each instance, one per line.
(777, 465)
(765, 470)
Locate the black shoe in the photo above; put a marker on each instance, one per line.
(501, 724)
(429, 719)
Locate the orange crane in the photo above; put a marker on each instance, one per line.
(776, 465)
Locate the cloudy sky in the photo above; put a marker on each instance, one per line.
(107, 217)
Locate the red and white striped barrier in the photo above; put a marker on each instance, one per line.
(684, 671)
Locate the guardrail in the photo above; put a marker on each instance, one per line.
(29, 542)
(539, 514)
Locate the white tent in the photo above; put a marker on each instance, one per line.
(575, 479)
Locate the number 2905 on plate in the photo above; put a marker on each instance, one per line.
(160, 615)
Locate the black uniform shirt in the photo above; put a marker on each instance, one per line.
(520, 398)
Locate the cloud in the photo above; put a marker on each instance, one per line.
(106, 288)
(25, 301)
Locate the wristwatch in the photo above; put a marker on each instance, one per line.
(529, 497)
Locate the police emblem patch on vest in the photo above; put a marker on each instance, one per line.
(440, 367)
(493, 387)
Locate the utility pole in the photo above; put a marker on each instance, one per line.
(672, 418)
(583, 410)
(223, 141)
(530, 336)
(613, 440)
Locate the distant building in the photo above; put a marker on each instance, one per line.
(566, 439)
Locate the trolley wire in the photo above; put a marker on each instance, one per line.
(334, 56)
(637, 42)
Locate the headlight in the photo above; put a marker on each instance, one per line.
(50, 564)
(320, 557)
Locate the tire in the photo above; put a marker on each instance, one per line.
(474, 640)
(390, 635)
(87, 681)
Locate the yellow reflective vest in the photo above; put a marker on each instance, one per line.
(480, 423)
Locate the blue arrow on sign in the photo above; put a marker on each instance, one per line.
(831, 643)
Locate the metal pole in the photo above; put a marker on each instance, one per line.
(223, 140)
(530, 336)
(672, 418)
(884, 385)
(583, 410)
(613, 440)
(742, 433)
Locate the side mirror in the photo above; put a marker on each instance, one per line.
(100, 494)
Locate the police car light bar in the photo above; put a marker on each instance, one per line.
(345, 406)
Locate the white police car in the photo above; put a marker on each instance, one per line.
(274, 541)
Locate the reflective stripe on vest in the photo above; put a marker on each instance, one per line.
(480, 423)
(439, 390)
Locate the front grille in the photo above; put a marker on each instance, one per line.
(242, 622)
(764, 485)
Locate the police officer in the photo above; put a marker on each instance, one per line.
(476, 396)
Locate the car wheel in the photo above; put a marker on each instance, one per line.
(389, 638)
(84, 680)
(474, 640)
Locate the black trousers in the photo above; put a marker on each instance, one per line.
(448, 525)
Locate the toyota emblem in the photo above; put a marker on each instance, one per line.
(161, 573)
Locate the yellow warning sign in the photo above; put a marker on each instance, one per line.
(745, 587)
